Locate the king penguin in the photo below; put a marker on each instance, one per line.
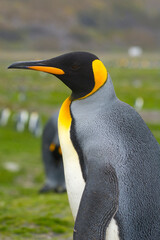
(52, 157)
(111, 159)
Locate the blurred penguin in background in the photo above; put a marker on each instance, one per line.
(21, 120)
(52, 157)
(4, 116)
(35, 125)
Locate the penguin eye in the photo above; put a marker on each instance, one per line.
(75, 67)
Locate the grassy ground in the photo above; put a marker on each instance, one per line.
(24, 214)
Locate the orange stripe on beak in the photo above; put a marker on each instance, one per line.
(52, 70)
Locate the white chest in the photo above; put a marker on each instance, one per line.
(75, 183)
(112, 232)
(73, 175)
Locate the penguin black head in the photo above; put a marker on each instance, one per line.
(82, 72)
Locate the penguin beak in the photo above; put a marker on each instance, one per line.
(42, 66)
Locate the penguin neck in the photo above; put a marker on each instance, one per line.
(107, 91)
(105, 95)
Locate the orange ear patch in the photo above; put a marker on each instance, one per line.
(100, 76)
(52, 147)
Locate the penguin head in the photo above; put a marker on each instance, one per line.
(82, 72)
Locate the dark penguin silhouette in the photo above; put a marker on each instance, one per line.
(52, 157)
(111, 159)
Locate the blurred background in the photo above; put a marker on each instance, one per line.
(124, 34)
(85, 24)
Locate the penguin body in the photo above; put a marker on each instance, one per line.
(111, 159)
(52, 157)
(127, 148)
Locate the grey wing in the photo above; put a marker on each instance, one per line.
(98, 205)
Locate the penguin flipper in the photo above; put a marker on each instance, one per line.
(98, 205)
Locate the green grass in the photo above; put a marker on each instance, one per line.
(155, 128)
(132, 83)
(24, 214)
